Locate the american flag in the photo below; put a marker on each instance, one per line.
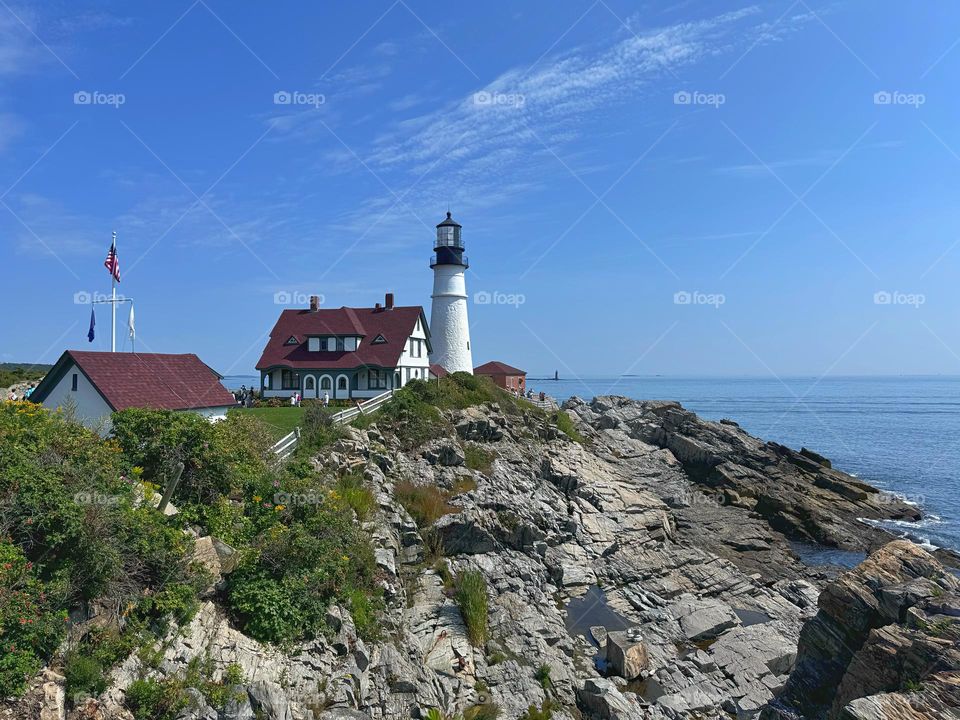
(112, 263)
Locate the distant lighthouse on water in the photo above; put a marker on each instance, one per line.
(449, 327)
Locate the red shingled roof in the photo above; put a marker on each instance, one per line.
(495, 367)
(148, 380)
(395, 324)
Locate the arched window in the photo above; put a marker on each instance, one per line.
(325, 383)
(342, 382)
(308, 383)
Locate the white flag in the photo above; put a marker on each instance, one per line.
(133, 329)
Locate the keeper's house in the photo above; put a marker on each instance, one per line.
(95, 384)
(345, 353)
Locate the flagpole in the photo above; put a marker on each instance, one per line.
(113, 303)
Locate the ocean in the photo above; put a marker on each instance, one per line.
(901, 434)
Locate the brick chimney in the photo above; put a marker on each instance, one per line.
(314, 303)
(388, 301)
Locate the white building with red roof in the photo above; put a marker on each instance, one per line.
(346, 353)
(95, 384)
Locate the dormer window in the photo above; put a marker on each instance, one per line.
(378, 340)
(313, 344)
(292, 340)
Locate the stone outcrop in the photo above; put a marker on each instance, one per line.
(649, 570)
(884, 644)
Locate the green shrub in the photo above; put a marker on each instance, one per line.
(266, 608)
(312, 554)
(412, 420)
(471, 597)
(151, 699)
(84, 675)
(216, 456)
(317, 428)
(227, 521)
(31, 626)
(177, 601)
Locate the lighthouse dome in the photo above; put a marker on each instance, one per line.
(448, 233)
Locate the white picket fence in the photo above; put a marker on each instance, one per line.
(367, 406)
(286, 445)
(548, 403)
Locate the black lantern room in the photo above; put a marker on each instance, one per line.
(449, 246)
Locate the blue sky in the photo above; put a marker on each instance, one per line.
(684, 188)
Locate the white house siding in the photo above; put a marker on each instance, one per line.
(415, 367)
(90, 407)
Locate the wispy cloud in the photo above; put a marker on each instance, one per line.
(19, 52)
(460, 152)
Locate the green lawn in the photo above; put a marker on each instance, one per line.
(281, 420)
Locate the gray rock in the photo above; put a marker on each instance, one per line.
(626, 656)
(601, 699)
(599, 634)
(704, 619)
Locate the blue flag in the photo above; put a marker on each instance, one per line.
(93, 322)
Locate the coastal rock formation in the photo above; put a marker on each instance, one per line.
(885, 643)
(662, 535)
(726, 471)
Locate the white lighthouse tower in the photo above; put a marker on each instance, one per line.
(449, 327)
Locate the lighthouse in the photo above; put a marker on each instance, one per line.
(449, 327)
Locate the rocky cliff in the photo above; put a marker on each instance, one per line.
(646, 572)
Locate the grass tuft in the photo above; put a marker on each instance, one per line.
(543, 676)
(478, 458)
(356, 495)
(471, 597)
(425, 503)
(565, 425)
